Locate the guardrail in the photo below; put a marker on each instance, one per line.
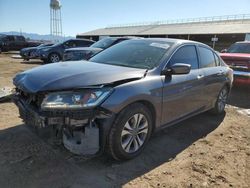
(187, 20)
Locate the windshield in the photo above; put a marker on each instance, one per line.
(144, 54)
(103, 43)
(239, 48)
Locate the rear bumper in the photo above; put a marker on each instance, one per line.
(241, 77)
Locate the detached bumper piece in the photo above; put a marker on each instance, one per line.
(78, 131)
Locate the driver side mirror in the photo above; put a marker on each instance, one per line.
(178, 68)
(223, 51)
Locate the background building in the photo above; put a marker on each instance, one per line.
(218, 32)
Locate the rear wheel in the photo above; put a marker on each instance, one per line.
(0, 50)
(221, 101)
(130, 132)
(54, 57)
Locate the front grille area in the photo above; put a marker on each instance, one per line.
(238, 65)
(33, 99)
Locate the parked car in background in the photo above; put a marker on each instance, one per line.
(76, 54)
(31, 52)
(237, 56)
(54, 53)
(15, 42)
(117, 99)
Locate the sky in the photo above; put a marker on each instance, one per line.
(78, 16)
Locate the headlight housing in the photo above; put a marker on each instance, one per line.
(75, 99)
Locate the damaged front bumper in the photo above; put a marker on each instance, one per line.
(82, 132)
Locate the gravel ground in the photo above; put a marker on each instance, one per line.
(203, 151)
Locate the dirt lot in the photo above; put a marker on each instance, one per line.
(204, 151)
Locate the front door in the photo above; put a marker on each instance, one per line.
(183, 94)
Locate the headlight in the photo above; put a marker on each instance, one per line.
(75, 99)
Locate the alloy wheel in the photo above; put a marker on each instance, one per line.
(54, 58)
(222, 99)
(134, 133)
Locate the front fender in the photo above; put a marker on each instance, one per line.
(148, 89)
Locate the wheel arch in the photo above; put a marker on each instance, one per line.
(149, 106)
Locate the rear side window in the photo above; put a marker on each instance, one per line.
(83, 43)
(187, 55)
(206, 57)
(20, 38)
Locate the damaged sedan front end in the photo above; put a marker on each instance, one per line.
(71, 116)
(72, 112)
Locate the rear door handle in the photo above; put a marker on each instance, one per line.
(200, 76)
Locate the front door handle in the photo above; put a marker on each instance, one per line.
(200, 76)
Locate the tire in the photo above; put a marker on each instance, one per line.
(0, 50)
(128, 136)
(54, 57)
(221, 101)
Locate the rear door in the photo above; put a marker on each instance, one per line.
(183, 94)
(214, 74)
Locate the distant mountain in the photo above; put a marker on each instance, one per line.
(34, 36)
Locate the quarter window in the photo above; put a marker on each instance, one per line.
(207, 57)
(217, 59)
(187, 55)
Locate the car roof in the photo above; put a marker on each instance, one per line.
(172, 40)
(77, 39)
(248, 42)
(125, 37)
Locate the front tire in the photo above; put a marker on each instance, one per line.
(221, 101)
(54, 58)
(130, 132)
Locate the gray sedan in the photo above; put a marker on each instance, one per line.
(117, 99)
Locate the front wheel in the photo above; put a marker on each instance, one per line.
(130, 132)
(221, 101)
(54, 57)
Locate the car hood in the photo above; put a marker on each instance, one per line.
(84, 49)
(234, 56)
(28, 49)
(73, 75)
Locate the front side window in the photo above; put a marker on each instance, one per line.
(11, 38)
(144, 54)
(70, 44)
(186, 55)
(206, 57)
